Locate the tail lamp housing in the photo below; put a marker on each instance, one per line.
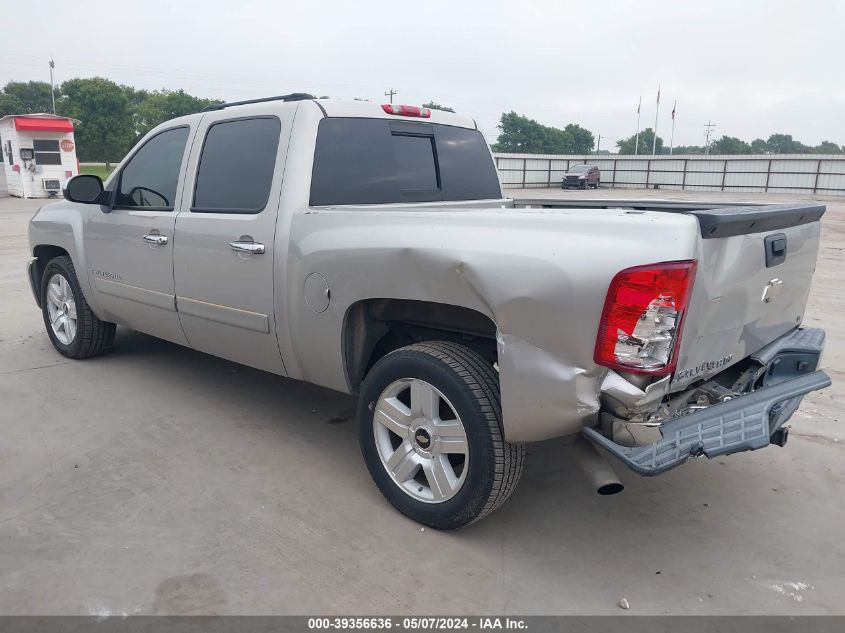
(643, 317)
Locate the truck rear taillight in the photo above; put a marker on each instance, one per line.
(643, 316)
(407, 110)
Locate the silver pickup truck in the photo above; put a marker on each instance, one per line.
(369, 249)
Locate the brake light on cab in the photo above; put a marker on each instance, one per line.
(407, 110)
(642, 321)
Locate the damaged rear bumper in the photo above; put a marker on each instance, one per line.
(744, 423)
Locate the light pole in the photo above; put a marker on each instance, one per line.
(52, 89)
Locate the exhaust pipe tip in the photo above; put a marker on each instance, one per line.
(595, 467)
(613, 488)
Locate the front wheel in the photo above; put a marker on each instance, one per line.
(73, 328)
(430, 429)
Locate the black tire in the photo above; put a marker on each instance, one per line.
(584, 184)
(93, 336)
(472, 387)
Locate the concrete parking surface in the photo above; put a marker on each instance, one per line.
(157, 479)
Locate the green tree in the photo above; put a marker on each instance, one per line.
(157, 107)
(627, 145)
(828, 147)
(582, 139)
(10, 104)
(105, 133)
(519, 134)
(433, 105)
(759, 146)
(688, 149)
(784, 144)
(730, 145)
(34, 96)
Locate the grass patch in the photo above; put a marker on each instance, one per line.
(95, 170)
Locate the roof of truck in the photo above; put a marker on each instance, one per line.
(363, 109)
(372, 110)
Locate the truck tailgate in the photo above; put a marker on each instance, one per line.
(754, 274)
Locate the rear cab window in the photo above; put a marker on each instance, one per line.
(236, 166)
(383, 161)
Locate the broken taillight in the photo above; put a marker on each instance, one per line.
(642, 320)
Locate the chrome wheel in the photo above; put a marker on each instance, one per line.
(61, 309)
(421, 440)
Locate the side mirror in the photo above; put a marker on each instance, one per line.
(86, 189)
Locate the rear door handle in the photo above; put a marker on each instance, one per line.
(247, 247)
(155, 238)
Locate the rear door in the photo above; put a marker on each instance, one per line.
(223, 258)
(130, 250)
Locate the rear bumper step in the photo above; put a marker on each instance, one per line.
(742, 424)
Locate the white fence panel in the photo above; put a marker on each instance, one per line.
(811, 173)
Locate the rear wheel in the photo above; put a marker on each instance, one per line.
(73, 328)
(430, 429)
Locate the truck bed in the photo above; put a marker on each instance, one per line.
(722, 220)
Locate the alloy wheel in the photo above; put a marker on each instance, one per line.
(61, 308)
(421, 440)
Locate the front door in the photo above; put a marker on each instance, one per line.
(129, 251)
(224, 256)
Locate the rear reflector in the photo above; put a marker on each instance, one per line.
(642, 320)
(407, 110)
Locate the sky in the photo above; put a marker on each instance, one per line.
(752, 67)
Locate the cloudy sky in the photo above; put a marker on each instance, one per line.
(753, 67)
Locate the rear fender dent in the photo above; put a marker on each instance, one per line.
(542, 396)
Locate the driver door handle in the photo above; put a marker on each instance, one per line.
(155, 238)
(247, 247)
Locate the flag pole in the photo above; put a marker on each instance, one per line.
(637, 141)
(672, 135)
(656, 112)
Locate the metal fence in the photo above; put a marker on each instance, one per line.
(792, 173)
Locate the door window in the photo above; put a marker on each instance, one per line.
(236, 166)
(150, 177)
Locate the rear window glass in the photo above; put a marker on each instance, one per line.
(380, 161)
(415, 168)
(236, 166)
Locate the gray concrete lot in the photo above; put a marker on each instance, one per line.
(161, 480)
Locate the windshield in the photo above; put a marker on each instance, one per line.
(579, 169)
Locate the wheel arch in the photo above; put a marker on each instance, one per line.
(375, 327)
(45, 252)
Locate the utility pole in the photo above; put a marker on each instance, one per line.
(598, 145)
(390, 94)
(52, 88)
(708, 126)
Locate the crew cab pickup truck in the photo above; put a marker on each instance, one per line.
(369, 249)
